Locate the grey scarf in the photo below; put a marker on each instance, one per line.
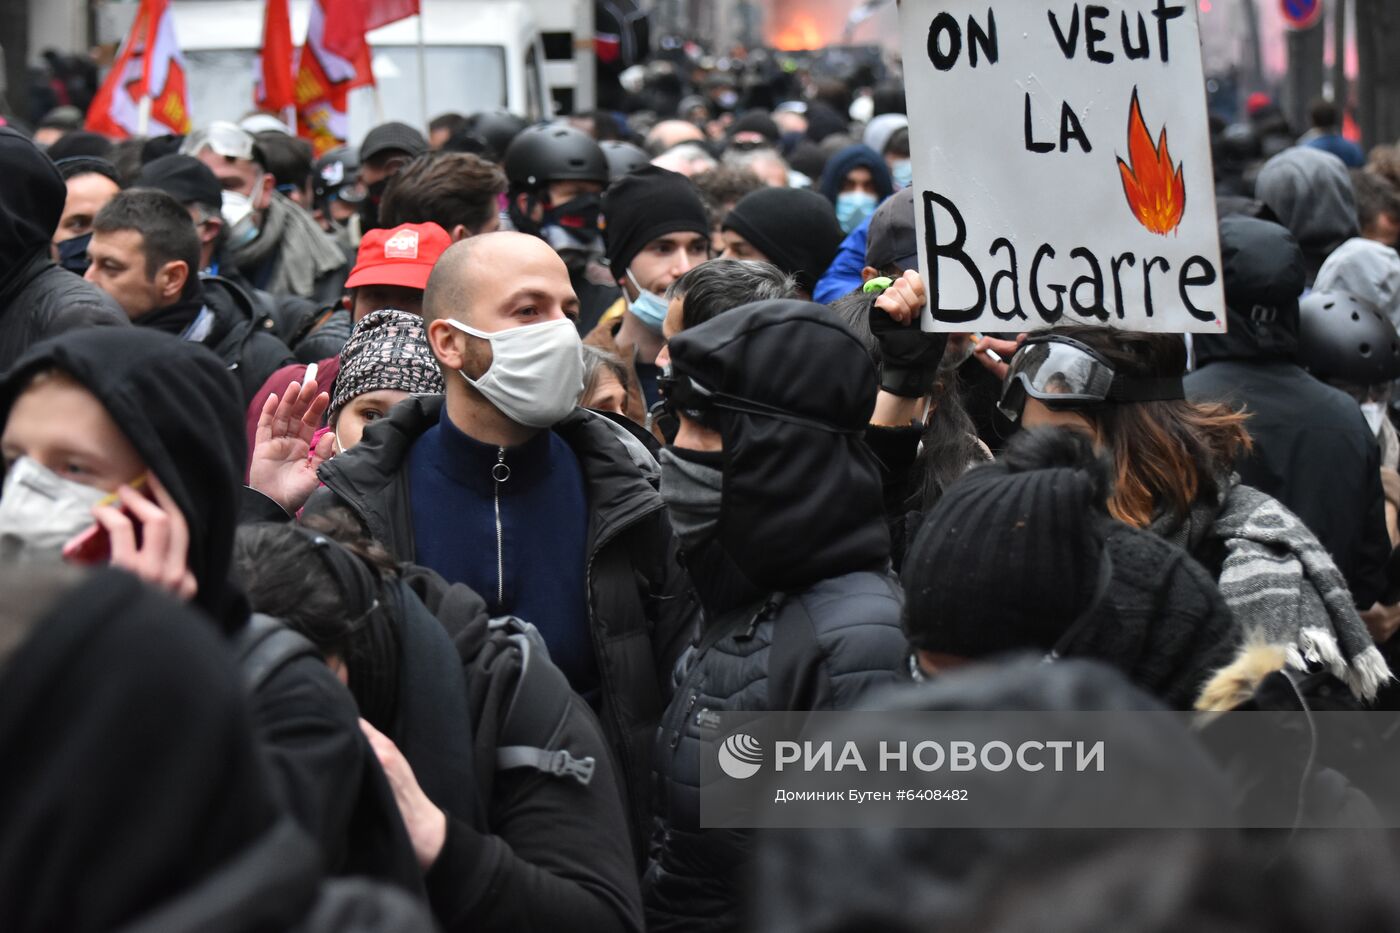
(1282, 586)
(692, 493)
(300, 250)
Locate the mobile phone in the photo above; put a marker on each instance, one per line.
(94, 546)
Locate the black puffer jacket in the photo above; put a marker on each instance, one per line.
(1313, 450)
(801, 525)
(37, 298)
(243, 336)
(640, 606)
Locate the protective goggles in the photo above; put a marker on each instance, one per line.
(684, 395)
(1064, 373)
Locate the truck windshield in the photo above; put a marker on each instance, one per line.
(465, 79)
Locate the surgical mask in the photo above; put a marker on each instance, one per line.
(692, 491)
(73, 254)
(903, 172)
(238, 216)
(536, 372)
(852, 207)
(1375, 415)
(648, 306)
(41, 511)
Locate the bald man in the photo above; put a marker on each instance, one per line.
(504, 485)
(670, 133)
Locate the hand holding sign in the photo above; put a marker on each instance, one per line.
(1063, 157)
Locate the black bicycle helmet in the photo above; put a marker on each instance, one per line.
(1344, 340)
(554, 152)
(497, 128)
(333, 172)
(623, 158)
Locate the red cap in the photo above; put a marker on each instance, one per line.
(1257, 102)
(402, 256)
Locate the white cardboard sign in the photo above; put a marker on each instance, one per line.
(1062, 169)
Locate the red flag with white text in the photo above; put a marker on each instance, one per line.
(149, 65)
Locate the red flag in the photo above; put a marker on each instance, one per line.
(383, 12)
(276, 88)
(149, 66)
(325, 78)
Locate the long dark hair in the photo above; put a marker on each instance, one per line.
(1166, 454)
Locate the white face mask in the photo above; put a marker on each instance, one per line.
(237, 212)
(41, 511)
(536, 372)
(1375, 415)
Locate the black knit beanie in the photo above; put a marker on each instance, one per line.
(643, 205)
(1006, 561)
(756, 121)
(795, 228)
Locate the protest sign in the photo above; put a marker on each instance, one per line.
(1062, 169)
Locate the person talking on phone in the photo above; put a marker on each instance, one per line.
(124, 446)
(504, 485)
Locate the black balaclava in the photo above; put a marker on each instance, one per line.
(801, 491)
(32, 194)
(133, 770)
(180, 408)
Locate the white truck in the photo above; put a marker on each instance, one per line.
(477, 55)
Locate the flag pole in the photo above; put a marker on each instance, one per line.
(143, 115)
(422, 72)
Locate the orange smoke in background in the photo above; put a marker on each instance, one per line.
(796, 25)
(798, 34)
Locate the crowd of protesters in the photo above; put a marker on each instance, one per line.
(380, 531)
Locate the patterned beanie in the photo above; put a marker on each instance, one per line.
(387, 350)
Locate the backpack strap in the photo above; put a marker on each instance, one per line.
(539, 706)
(265, 646)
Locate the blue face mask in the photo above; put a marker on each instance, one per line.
(648, 306)
(852, 207)
(73, 254)
(903, 172)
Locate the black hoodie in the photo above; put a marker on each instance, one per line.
(802, 495)
(37, 298)
(802, 520)
(179, 407)
(1313, 450)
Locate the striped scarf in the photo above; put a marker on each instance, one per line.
(1282, 586)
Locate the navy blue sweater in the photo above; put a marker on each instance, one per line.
(543, 536)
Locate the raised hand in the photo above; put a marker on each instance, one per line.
(284, 461)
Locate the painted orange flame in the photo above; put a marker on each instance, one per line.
(799, 34)
(1152, 184)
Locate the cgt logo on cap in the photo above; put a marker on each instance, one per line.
(402, 245)
(740, 756)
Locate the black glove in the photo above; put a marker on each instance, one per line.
(909, 356)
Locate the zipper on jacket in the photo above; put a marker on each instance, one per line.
(500, 473)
